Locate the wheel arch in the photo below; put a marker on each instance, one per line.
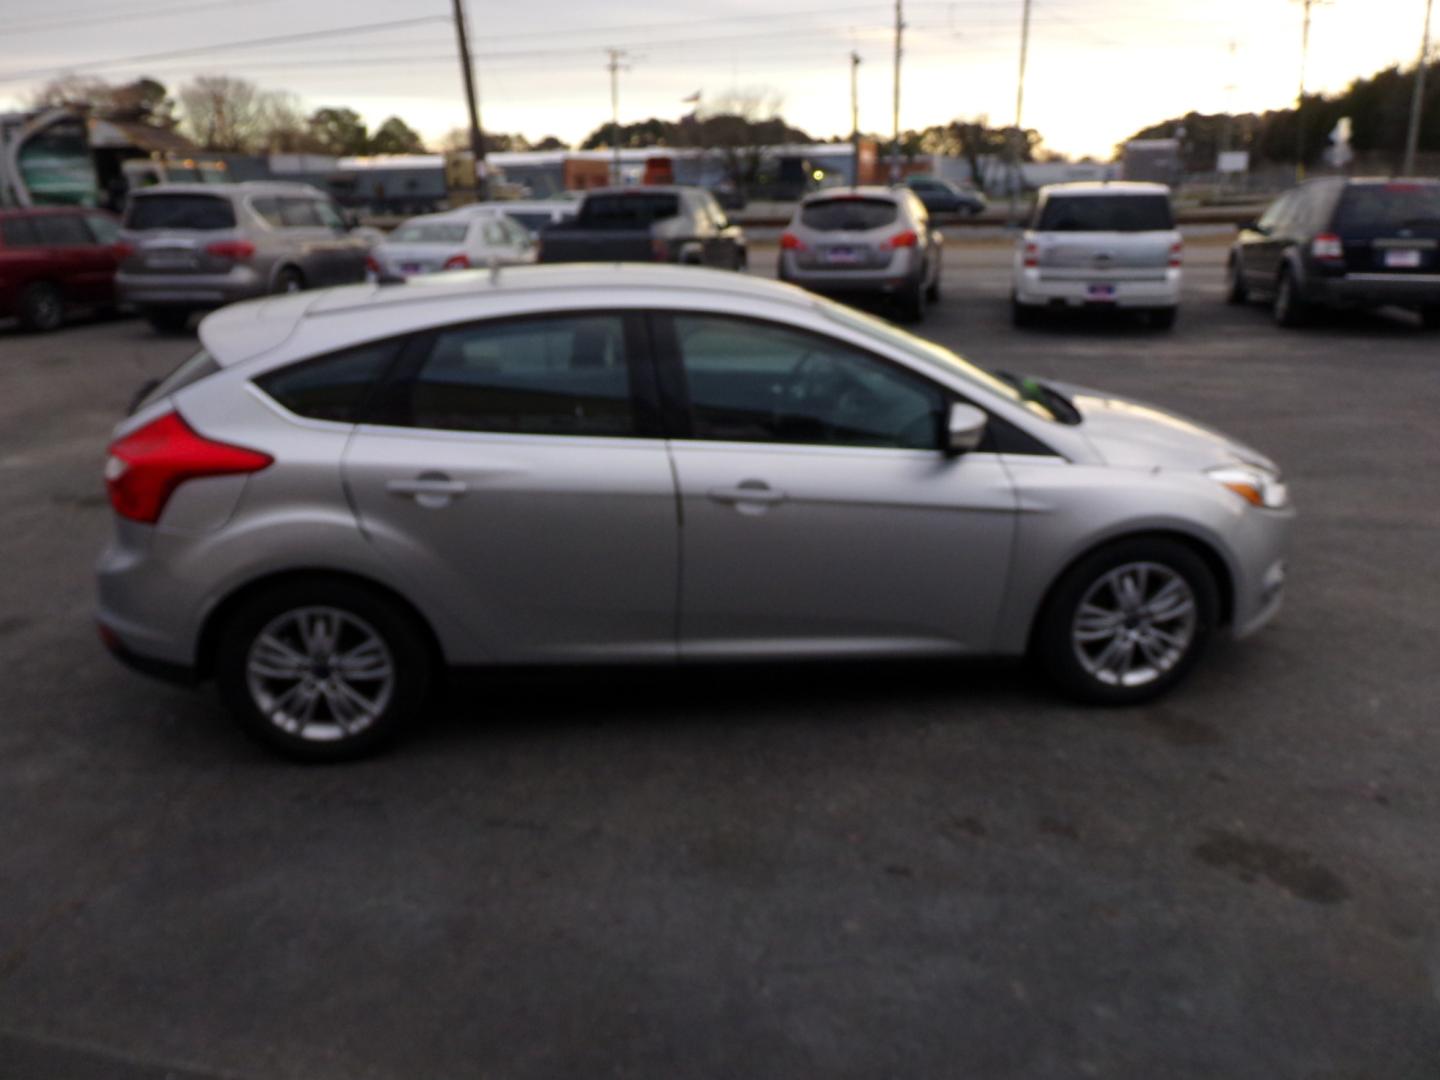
(1214, 561)
(209, 637)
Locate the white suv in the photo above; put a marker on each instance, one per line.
(1100, 245)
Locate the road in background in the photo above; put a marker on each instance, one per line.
(838, 870)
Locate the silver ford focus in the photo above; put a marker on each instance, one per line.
(346, 491)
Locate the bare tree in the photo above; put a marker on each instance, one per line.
(741, 127)
(223, 113)
(283, 127)
(144, 99)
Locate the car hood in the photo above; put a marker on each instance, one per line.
(1135, 434)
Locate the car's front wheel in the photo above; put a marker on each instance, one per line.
(324, 670)
(41, 308)
(1237, 292)
(1128, 621)
(1290, 310)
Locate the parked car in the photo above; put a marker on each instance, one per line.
(55, 259)
(190, 247)
(1110, 245)
(1343, 243)
(647, 224)
(537, 214)
(943, 197)
(455, 240)
(867, 241)
(340, 494)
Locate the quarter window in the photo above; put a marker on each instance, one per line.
(758, 382)
(300, 214)
(332, 387)
(558, 375)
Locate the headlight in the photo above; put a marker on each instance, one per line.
(1257, 486)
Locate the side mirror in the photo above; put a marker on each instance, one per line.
(964, 429)
(1252, 226)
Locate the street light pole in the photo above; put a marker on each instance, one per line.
(1300, 97)
(614, 66)
(895, 143)
(1417, 99)
(477, 137)
(855, 117)
(1019, 133)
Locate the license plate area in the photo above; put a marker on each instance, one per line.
(1100, 293)
(842, 256)
(1402, 259)
(412, 268)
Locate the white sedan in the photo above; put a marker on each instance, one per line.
(454, 240)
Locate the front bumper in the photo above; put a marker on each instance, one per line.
(1036, 288)
(190, 290)
(1260, 547)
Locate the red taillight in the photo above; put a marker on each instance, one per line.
(147, 465)
(1032, 255)
(1327, 246)
(237, 250)
(790, 242)
(458, 262)
(124, 251)
(371, 265)
(1402, 187)
(1177, 254)
(903, 239)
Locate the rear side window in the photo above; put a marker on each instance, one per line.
(534, 221)
(333, 387)
(848, 215)
(300, 214)
(557, 375)
(200, 366)
(63, 230)
(269, 209)
(1383, 207)
(103, 228)
(628, 211)
(1106, 213)
(202, 213)
(430, 233)
(18, 232)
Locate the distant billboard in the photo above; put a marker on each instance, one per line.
(1233, 161)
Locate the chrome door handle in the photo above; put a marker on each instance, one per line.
(430, 490)
(748, 492)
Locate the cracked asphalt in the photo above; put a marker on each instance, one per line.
(899, 870)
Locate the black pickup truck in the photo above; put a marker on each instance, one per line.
(647, 224)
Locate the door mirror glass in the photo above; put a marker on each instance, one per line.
(964, 428)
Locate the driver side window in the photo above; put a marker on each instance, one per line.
(752, 381)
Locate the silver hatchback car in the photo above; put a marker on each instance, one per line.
(347, 490)
(190, 247)
(865, 240)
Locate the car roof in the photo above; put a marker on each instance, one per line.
(646, 189)
(244, 187)
(1105, 187)
(241, 331)
(865, 191)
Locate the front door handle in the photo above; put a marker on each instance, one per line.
(431, 490)
(750, 496)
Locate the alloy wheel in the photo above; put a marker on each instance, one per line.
(1134, 624)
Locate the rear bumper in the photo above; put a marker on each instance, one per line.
(190, 290)
(899, 276)
(1376, 290)
(1034, 288)
(165, 670)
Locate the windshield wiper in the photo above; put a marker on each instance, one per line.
(1061, 407)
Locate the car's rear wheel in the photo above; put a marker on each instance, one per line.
(1164, 318)
(168, 320)
(41, 308)
(912, 301)
(1290, 310)
(1022, 315)
(1127, 622)
(932, 292)
(324, 670)
(1430, 318)
(1237, 292)
(289, 280)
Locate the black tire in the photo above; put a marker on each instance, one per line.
(912, 302)
(399, 703)
(167, 320)
(41, 308)
(1290, 310)
(1164, 318)
(289, 280)
(1238, 292)
(1023, 315)
(1430, 318)
(1059, 654)
(932, 291)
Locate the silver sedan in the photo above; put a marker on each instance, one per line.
(345, 491)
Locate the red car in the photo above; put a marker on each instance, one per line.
(53, 259)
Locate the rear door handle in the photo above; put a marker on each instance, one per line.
(750, 492)
(431, 490)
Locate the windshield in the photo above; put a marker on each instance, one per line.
(430, 232)
(939, 356)
(848, 214)
(1106, 213)
(1384, 207)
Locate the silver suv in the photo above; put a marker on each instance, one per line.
(347, 490)
(865, 240)
(189, 247)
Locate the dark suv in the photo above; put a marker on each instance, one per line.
(1341, 243)
(55, 259)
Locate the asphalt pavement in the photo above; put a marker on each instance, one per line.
(898, 870)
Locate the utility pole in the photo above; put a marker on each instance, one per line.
(855, 117)
(1300, 98)
(477, 136)
(1015, 172)
(614, 66)
(1417, 99)
(895, 143)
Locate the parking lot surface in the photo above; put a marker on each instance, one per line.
(907, 870)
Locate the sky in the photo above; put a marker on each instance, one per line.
(1098, 70)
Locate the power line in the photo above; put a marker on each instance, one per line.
(113, 15)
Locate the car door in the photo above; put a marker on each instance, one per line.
(1263, 248)
(346, 252)
(103, 255)
(819, 516)
(68, 247)
(513, 469)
